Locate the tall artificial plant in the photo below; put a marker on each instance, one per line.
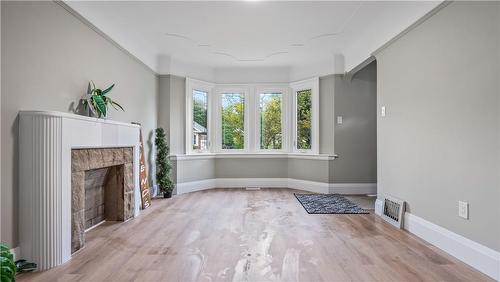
(7, 265)
(97, 100)
(163, 165)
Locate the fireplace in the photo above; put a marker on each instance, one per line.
(57, 152)
(102, 188)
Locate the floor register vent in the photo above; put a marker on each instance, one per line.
(252, 188)
(393, 211)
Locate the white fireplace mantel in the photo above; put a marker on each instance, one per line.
(46, 139)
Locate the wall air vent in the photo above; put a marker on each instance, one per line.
(393, 211)
(252, 188)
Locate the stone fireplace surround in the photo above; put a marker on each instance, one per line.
(119, 187)
(46, 141)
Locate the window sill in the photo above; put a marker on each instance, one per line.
(201, 156)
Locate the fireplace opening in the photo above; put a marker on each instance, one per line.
(103, 195)
(102, 189)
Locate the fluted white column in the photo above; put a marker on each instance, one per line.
(41, 190)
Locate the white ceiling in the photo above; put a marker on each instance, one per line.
(191, 36)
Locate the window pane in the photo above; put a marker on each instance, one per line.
(270, 121)
(233, 120)
(304, 117)
(200, 117)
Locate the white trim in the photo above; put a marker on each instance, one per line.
(191, 85)
(310, 186)
(191, 157)
(15, 252)
(353, 188)
(414, 25)
(379, 207)
(284, 91)
(246, 93)
(299, 184)
(263, 155)
(313, 84)
(193, 186)
(37, 113)
(472, 253)
(251, 182)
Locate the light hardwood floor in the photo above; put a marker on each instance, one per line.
(266, 235)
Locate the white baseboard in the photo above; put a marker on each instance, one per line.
(310, 186)
(353, 188)
(379, 207)
(16, 252)
(472, 253)
(305, 185)
(193, 186)
(251, 182)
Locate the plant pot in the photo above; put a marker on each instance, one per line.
(167, 194)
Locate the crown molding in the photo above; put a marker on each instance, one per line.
(102, 34)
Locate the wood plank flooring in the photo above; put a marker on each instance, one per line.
(266, 235)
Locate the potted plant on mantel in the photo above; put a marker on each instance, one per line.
(163, 165)
(96, 101)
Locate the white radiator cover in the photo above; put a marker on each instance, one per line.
(46, 139)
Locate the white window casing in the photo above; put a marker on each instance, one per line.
(251, 93)
(312, 84)
(192, 85)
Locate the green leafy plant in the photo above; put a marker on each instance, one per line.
(7, 265)
(163, 165)
(97, 100)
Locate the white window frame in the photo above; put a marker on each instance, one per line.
(218, 118)
(312, 84)
(284, 118)
(191, 85)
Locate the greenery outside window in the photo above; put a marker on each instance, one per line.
(232, 121)
(304, 119)
(200, 120)
(252, 118)
(305, 116)
(271, 121)
(198, 116)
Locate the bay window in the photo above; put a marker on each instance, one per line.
(252, 118)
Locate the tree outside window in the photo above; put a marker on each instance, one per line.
(233, 121)
(270, 121)
(304, 117)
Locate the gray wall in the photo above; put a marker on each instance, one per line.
(304, 169)
(251, 168)
(326, 114)
(172, 111)
(193, 170)
(311, 170)
(356, 138)
(439, 142)
(48, 57)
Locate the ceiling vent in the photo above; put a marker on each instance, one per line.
(393, 211)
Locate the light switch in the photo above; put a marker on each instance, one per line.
(339, 119)
(382, 111)
(463, 209)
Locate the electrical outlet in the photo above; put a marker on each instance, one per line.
(382, 111)
(339, 120)
(463, 209)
